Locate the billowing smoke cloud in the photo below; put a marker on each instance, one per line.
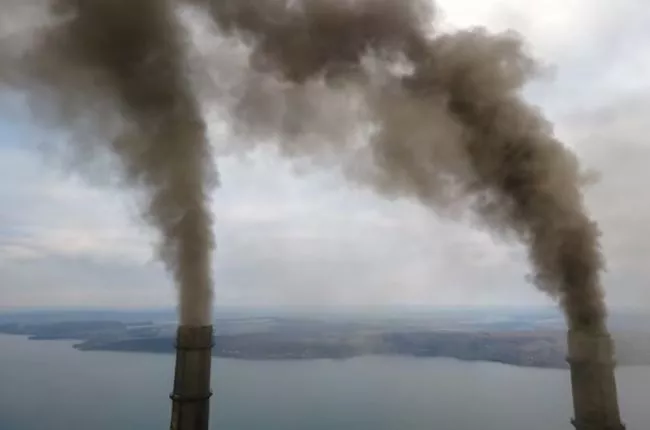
(448, 124)
(112, 71)
(442, 115)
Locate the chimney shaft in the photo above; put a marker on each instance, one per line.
(191, 394)
(595, 403)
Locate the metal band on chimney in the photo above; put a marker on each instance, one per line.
(182, 398)
(193, 348)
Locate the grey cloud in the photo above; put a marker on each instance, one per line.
(614, 141)
(59, 281)
(594, 59)
(355, 249)
(373, 265)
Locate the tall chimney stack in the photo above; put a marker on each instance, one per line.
(191, 395)
(595, 403)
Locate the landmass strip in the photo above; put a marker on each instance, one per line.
(290, 339)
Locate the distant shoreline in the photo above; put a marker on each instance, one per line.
(352, 357)
(303, 359)
(295, 352)
(518, 340)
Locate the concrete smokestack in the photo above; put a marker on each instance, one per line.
(595, 403)
(191, 395)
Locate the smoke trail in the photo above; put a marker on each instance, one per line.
(113, 72)
(449, 126)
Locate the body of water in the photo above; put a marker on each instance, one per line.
(50, 385)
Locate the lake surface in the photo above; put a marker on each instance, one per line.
(50, 385)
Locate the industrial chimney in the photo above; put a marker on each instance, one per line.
(191, 395)
(595, 403)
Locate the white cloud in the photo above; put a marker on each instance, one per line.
(557, 29)
(596, 49)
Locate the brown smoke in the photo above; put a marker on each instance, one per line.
(442, 114)
(449, 126)
(113, 72)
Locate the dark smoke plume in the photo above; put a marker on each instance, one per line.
(441, 111)
(448, 122)
(113, 71)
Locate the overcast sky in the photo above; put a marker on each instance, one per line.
(296, 238)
